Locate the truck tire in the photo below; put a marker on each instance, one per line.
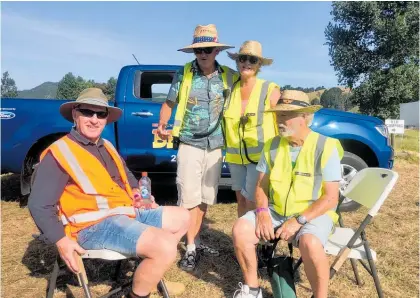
(350, 165)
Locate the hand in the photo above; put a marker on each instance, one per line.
(162, 132)
(145, 203)
(66, 249)
(288, 229)
(264, 226)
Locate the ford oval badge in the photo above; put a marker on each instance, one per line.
(6, 115)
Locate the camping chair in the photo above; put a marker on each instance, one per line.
(369, 187)
(103, 254)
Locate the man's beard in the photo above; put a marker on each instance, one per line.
(285, 131)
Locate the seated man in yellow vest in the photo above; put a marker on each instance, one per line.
(198, 91)
(297, 189)
(83, 178)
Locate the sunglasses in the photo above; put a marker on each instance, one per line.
(205, 50)
(89, 113)
(251, 59)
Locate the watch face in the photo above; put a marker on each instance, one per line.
(302, 220)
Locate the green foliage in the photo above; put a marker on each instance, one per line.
(306, 90)
(8, 86)
(70, 86)
(315, 101)
(374, 47)
(336, 98)
(45, 90)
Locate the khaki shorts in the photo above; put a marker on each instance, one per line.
(198, 174)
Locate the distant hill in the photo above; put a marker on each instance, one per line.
(45, 90)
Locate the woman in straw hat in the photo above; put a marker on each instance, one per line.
(247, 126)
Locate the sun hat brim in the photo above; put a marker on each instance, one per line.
(293, 108)
(264, 61)
(190, 48)
(66, 109)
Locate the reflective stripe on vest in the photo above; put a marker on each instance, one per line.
(80, 174)
(301, 185)
(260, 130)
(88, 188)
(228, 77)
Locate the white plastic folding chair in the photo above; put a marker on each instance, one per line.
(102, 254)
(370, 187)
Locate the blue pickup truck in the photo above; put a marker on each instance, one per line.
(28, 126)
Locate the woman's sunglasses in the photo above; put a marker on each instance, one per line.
(251, 59)
(89, 113)
(205, 50)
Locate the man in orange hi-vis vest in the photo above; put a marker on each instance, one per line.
(83, 198)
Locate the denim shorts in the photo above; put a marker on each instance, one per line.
(321, 226)
(120, 232)
(244, 178)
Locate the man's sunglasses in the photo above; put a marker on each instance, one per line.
(251, 59)
(90, 113)
(205, 50)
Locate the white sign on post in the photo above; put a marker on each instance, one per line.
(395, 126)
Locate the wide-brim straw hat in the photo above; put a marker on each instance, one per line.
(205, 36)
(251, 48)
(294, 101)
(93, 97)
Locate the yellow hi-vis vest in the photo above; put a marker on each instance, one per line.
(260, 127)
(91, 195)
(229, 76)
(292, 191)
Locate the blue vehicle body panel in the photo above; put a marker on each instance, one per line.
(134, 133)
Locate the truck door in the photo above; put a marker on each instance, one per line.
(138, 140)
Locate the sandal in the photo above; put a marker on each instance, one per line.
(189, 261)
(206, 250)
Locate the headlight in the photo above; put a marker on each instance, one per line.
(383, 130)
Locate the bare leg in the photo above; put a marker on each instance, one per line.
(241, 203)
(197, 215)
(316, 264)
(159, 250)
(244, 241)
(175, 220)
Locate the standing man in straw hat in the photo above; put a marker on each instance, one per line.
(247, 126)
(83, 176)
(198, 90)
(297, 189)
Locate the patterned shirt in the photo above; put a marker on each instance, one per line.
(205, 103)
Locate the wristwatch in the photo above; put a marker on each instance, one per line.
(301, 219)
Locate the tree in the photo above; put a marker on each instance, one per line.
(331, 98)
(374, 47)
(110, 87)
(8, 86)
(315, 101)
(70, 86)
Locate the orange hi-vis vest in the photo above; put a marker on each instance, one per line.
(91, 195)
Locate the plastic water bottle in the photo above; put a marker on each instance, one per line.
(145, 186)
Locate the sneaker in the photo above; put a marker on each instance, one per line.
(189, 261)
(206, 250)
(243, 292)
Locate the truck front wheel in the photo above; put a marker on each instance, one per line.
(350, 165)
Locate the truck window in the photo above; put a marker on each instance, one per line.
(152, 85)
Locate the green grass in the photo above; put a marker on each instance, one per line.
(407, 142)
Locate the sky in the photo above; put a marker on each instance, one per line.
(42, 41)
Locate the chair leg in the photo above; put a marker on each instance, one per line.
(372, 265)
(356, 272)
(162, 289)
(117, 271)
(53, 279)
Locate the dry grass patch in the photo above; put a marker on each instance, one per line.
(26, 263)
